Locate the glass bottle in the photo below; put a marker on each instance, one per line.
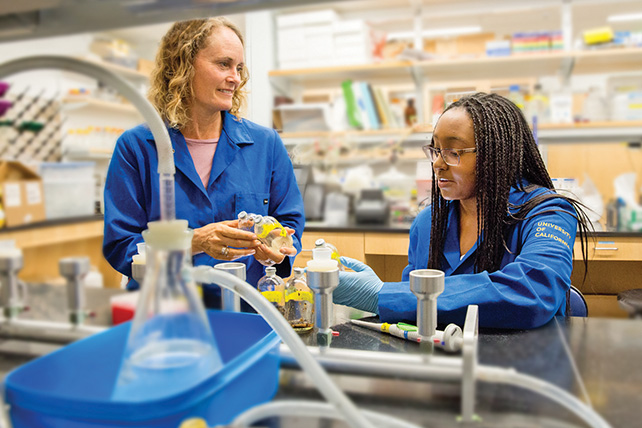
(320, 243)
(246, 221)
(270, 232)
(171, 347)
(299, 302)
(538, 106)
(271, 286)
(410, 113)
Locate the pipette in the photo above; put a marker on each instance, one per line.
(450, 340)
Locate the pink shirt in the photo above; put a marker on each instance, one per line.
(202, 152)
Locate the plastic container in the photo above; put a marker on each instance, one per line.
(71, 387)
(69, 188)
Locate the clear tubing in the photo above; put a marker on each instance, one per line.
(208, 275)
(512, 377)
(166, 167)
(168, 207)
(302, 408)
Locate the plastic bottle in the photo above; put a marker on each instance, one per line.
(299, 302)
(410, 113)
(516, 96)
(272, 288)
(246, 221)
(171, 347)
(270, 232)
(322, 260)
(320, 243)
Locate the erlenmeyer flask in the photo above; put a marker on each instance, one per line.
(171, 347)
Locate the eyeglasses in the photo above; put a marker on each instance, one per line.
(452, 157)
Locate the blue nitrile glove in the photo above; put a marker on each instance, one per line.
(359, 289)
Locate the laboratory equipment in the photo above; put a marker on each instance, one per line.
(171, 347)
(246, 221)
(427, 284)
(450, 339)
(372, 207)
(299, 302)
(74, 270)
(271, 286)
(270, 232)
(321, 243)
(13, 290)
(323, 278)
(230, 300)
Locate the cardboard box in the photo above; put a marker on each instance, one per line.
(21, 193)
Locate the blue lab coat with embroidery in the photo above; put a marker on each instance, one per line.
(526, 292)
(251, 172)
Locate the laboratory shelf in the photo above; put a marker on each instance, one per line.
(537, 64)
(80, 102)
(123, 71)
(599, 132)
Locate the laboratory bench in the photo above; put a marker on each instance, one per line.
(614, 257)
(594, 359)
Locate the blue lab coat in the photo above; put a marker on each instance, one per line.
(251, 172)
(526, 292)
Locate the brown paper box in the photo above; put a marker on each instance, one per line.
(21, 193)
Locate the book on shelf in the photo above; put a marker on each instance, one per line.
(352, 109)
(369, 105)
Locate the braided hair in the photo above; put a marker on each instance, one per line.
(507, 156)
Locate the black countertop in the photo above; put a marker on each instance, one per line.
(595, 359)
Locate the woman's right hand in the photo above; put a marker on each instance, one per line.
(224, 241)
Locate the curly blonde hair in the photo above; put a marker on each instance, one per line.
(171, 79)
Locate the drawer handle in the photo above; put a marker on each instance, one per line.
(606, 248)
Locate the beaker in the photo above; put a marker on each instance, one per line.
(171, 347)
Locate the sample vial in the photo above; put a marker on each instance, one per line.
(270, 232)
(246, 221)
(299, 302)
(272, 288)
(321, 243)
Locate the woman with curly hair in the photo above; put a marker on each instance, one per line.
(225, 164)
(496, 227)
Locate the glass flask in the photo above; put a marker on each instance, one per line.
(246, 221)
(299, 302)
(171, 347)
(270, 232)
(320, 243)
(272, 288)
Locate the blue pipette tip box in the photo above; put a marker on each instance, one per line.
(72, 387)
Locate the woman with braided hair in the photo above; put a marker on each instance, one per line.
(496, 226)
